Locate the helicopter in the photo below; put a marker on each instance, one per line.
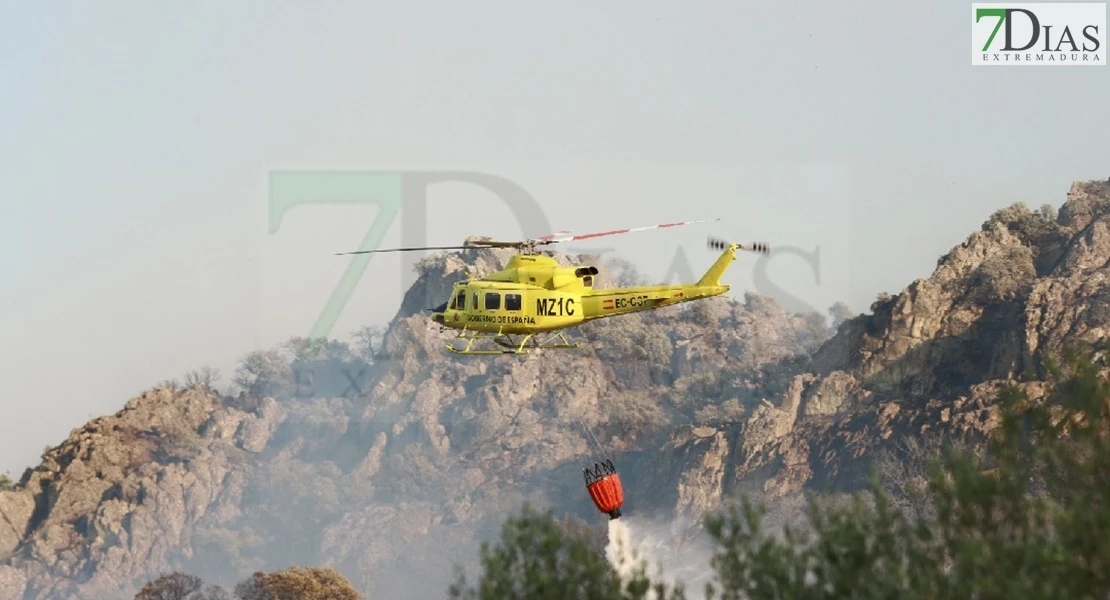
(537, 300)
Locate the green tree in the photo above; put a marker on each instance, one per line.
(539, 558)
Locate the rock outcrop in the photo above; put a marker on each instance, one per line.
(933, 358)
(696, 402)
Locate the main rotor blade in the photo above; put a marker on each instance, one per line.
(408, 249)
(558, 236)
(495, 244)
(585, 236)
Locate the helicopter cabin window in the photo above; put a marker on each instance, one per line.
(512, 302)
(460, 301)
(474, 300)
(493, 301)
(588, 281)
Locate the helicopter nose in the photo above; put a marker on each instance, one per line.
(437, 317)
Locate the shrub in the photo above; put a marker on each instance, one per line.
(180, 586)
(205, 376)
(1003, 275)
(264, 373)
(296, 583)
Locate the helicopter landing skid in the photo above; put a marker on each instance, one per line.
(526, 345)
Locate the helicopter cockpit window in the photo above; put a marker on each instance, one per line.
(512, 301)
(493, 301)
(460, 301)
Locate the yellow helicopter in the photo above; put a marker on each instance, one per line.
(534, 296)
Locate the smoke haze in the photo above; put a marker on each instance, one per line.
(663, 550)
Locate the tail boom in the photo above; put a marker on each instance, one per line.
(607, 303)
(621, 301)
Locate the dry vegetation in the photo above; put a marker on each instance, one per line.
(294, 583)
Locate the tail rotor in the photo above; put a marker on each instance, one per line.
(721, 245)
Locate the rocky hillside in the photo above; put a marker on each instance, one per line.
(926, 362)
(381, 457)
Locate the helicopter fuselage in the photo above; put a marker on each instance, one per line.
(534, 294)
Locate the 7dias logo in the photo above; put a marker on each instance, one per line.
(1066, 33)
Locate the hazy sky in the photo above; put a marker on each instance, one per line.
(137, 142)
